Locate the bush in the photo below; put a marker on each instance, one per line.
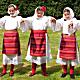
(54, 8)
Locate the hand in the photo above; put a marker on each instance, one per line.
(53, 20)
(1, 23)
(22, 21)
(70, 25)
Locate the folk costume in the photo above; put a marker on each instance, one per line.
(38, 47)
(68, 49)
(11, 44)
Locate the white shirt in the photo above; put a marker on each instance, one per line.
(39, 23)
(10, 23)
(61, 24)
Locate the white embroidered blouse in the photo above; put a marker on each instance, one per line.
(62, 24)
(9, 23)
(38, 23)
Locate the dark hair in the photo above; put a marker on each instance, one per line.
(66, 10)
(38, 9)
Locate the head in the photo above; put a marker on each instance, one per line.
(39, 11)
(68, 13)
(13, 10)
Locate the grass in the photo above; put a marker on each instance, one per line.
(22, 70)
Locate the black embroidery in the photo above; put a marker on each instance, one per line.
(64, 19)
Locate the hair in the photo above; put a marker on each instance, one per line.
(38, 9)
(66, 10)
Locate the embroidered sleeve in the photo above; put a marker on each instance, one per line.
(59, 25)
(50, 24)
(78, 25)
(2, 21)
(26, 24)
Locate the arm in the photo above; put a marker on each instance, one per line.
(2, 22)
(23, 23)
(52, 23)
(26, 23)
(78, 25)
(56, 25)
(73, 25)
(59, 25)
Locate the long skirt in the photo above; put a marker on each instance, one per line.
(11, 47)
(38, 43)
(68, 47)
(40, 59)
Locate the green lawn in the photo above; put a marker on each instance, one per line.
(54, 70)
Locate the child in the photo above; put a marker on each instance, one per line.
(68, 45)
(11, 44)
(38, 48)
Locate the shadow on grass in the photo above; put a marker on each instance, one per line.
(77, 71)
(51, 70)
(23, 69)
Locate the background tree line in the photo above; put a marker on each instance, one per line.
(54, 7)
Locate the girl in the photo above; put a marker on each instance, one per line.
(11, 44)
(67, 52)
(38, 48)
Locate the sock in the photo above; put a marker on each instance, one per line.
(4, 68)
(71, 69)
(64, 67)
(34, 68)
(12, 69)
(43, 67)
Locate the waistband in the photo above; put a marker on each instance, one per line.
(38, 31)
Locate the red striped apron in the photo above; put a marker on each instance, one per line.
(11, 43)
(68, 47)
(38, 43)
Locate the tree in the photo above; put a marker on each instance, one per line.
(54, 8)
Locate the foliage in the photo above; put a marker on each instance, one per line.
(54, 7)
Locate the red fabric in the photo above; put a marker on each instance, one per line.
(11, 43)
(68, 47)
(12, 69)
(16, 8)
(38, 43)
(34, 68)
(43, 66)
(64, 67)
(4, 69)
(43, 8)
(71, 69)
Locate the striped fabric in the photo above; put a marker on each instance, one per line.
(68, 47)
(38, 43)
(11, 44)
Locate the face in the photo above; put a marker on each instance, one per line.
(67, 15)
(40, 13)
(11, 11)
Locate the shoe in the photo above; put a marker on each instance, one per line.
(11, 74)
(31, 74)
(45, 74)
(72, 76)
(2, 74)
(63, 75)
